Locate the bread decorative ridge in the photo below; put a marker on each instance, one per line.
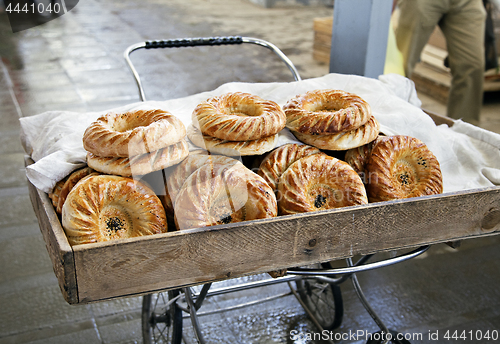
(70, 182)
(105, 207)
(56, 191)
(358, 158)
(231, 148)
(238, 116)
(132, 133)
(278, 160)
(178, 175)
(141, 164)
(326, 112)
(319, 182)
(343, 140)
(402, 167)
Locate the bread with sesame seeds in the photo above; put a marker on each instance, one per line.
(319, 182)
(104, 207)
(402, 167)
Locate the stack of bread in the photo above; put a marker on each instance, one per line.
(236, 124)
(100, 202)
(331, 119)
(135, 143)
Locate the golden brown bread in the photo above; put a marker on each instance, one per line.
(141, 164)
(402, 167)
(277, 161)
(358, 158)
(238, 117)
(70, 182)
(56, 191)
(319, 182)
(231, 148)
(343, 140)
(326, 112)
(105, 207)
(224, 194)
(132, 133)
(178, 175)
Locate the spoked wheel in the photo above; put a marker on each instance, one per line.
(161, 322)
(324, 301)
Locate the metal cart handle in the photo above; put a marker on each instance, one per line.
(210, 41)
(355, 269)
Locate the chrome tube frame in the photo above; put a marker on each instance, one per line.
(191, 42)
(355, 269)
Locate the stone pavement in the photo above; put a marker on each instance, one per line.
(75, 63)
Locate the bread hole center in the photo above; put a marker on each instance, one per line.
(324, 197)
(325, 108)
(225, 210)
(115, 223)
(244, 111)
(405, 174)
(123, 124)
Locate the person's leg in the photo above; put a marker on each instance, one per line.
(417, 20)
(463, 27)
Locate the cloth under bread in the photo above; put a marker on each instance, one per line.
(469, 156)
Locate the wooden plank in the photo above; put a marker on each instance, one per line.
(57, 245)
(197, 256)
(322, 39)
(438, 119)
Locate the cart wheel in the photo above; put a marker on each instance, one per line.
(324, 300)
(377, 338)
(160, 323)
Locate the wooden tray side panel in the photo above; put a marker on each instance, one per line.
(59, 250)
(207, 254)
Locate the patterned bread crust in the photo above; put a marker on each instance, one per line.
(141, 164)
(104, 207)
(319, 182)
(276, 162)
(132, 133)
(73, 178)
(402, 167)
(56, 191)
(231, 148)
(182, 171)
(224, 194)
(358, 157)
(239, 117)
(326, 112)
(344, 140)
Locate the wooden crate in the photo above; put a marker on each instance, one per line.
(129, 267)
(322, 39)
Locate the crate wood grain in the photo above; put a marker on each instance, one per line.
(57, 244)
